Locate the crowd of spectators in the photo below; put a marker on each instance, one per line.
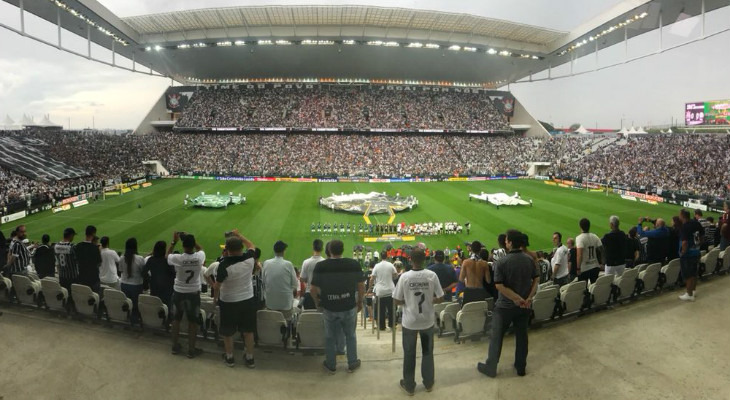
(690, 163)
(347, 108)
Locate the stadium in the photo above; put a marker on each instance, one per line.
(167, 172)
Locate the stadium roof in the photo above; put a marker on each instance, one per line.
(300, 42)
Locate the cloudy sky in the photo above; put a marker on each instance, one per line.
(37, 79)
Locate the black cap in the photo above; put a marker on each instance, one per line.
(68, 232)
(188, 241)
(279, 246)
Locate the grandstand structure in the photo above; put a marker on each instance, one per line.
(291, 46)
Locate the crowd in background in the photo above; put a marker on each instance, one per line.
(691, 163)
(348, 108)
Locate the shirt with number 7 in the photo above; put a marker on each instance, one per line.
(417, 290)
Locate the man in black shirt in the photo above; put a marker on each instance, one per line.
(446, 274)
(615, 247)
(44, 260)
(516, 279)
(88, 258)
(338, 287)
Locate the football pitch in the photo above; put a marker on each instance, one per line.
(285, 210)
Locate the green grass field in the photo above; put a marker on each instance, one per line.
(285, 211)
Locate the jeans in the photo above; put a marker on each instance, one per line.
(386, 308)
(410, 338)
(132, 292)
(502, 318)
(337, 323)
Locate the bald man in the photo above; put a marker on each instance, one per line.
(659, 244)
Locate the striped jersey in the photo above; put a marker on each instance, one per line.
(21, 255)
(66, 259)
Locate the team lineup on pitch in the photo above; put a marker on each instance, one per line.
(286, 211)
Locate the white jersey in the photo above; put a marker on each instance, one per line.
(188, 268)
(383, 273)
(308, 269)
(590, 243)
(238, 285)
(418, 289)
(561, 256)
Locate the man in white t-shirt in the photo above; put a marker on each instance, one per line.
(589, 248)
(235, 295)
(418, 290)
(559, 262)
(381, 281)
(186, 289)
(108, 274)
(308, 269)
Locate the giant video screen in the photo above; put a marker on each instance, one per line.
(715, 112)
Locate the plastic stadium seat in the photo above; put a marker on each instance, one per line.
(448, 319)
(470, 319)
(118, 306)
(5, 286)
(650, 278)
(207, 304)
(572, 296)
(56, 297)
(601, 290)
(641, 267)
(26, 290)
(272, 328)
(724, 257)
(153, 311)
(437, 308)
(85, 300)
(708, 262)
(669, 274)
(625, 285)
(310, 331)
(544, 304)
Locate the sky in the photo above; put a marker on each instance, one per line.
(37, 79)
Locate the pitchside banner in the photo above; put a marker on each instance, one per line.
(13, 217)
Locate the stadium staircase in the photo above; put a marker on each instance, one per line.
(30, 162)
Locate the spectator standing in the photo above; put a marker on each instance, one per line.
(445, 273)
(186, 290)
(516, 279)
(381, 280)
(572, 258)
(338, 287)
(307, 269)
(88, 257)
(615, 245)
(132, 280)
(418, 290)
(162, 274)
(723, 225)
(43, 259)
(589, 247)
(474, 271)
(235, 291)
(689, 253)
(68, 270)
(18, 257)
(109, 272)
(633, 248)
(560, 260)
(280, 282)
(658, 244)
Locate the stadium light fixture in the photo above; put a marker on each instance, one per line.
(606, 31)
(375, 43)
(491, 51)
(264, 42)
(470, 49)
(432, 46)
(239, 43)
(199, 45)
(183, 46)
(158, 47)
(505, 53)
(455, 47)
(148, 48)
(348, 42)
(415, 45)
(226, 43)
(391, 44)
(283, 42)
(310, 42)
(60, 4)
